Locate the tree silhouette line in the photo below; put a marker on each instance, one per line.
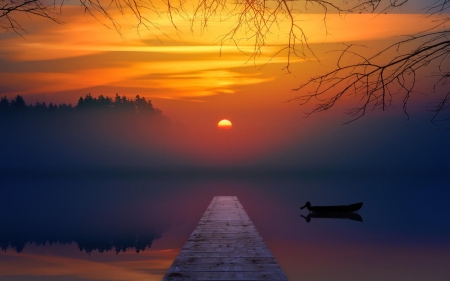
(120, 104)
(112, 242)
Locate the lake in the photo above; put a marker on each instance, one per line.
(85, 227)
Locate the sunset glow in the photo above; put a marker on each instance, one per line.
(224, 124)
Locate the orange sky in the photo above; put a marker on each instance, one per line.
(193, 80)
(82, 54)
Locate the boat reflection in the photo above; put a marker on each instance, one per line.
(333, 212)
(350, 216)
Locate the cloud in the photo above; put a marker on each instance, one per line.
(84, 54)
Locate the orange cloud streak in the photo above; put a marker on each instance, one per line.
(189, 67)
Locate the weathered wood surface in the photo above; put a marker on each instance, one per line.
(225, 245)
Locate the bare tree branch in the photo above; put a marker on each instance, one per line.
(395, 70)
(9, 8)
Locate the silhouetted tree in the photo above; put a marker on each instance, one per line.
(80, 102)
(40, 106)
(65, 107)
(52, 107)
(89, 101)
(143, 106)
(104, 102)
(18, 104)
(123, 104)
(4, 104)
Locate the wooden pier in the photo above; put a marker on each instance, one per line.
(225, 245)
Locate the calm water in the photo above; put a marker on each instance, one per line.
(91, 229)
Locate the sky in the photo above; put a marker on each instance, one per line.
(196, 82)
(126, 176)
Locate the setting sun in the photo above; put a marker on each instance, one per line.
(224, 124)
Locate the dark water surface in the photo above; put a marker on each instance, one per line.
(69, 228)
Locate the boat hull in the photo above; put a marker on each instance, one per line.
(336, 209)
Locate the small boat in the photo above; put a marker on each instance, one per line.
(341, 215)
(333, 209)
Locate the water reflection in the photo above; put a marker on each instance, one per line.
(95, 218)
(131, 214)
(88, 242)
(350, 216)
(333, 212)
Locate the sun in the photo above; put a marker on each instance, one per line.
(224, 124)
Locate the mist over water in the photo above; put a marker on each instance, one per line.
(112, 143)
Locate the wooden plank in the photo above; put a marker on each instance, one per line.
(225, 245)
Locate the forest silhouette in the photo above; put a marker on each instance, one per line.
(138, 106)
(98, 132)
